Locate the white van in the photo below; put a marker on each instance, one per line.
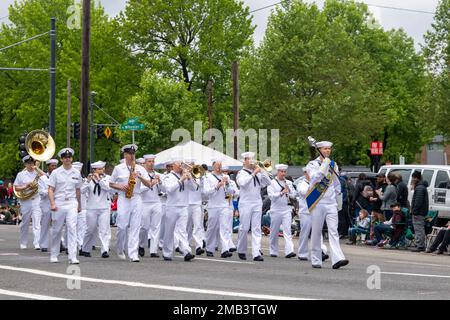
(438, 178)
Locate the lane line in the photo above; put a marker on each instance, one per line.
(419, 264)
(417, 274)
(9, 254)
(154, 286)
(216, 260)
(28, 295)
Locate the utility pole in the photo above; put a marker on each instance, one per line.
(210, 107)
(84, 112)
(91, 133)
(68, 114)
(52, 77)
(235, 73)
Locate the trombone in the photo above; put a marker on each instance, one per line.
(196, 171)
(266, 167)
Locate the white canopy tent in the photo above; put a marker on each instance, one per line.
(201, 153)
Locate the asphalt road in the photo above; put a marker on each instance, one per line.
(27, 274)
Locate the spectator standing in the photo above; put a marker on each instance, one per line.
(3, 193)
(380, 184)
(388, 197)
(402, 191)
(419, 209)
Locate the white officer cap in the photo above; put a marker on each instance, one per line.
(324, 144)
(27, 158)
(98, 165)
(52, 161)
(149, 156)
(281, 166)
(190, 160)
(66, 152)
(140, 161)
(250, 155)
(168, 163)
(129, 148)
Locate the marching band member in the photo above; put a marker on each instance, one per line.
(29, 208)
(322, 203)
(65, 203)
(177, 184)
(279, 192)
(127, 178)
(251, 181)
(168, 165)
(151, 210)
(220, 191)
(98, 209)
(229, 228)
(305, 221)
(81, 217)
(44, 240)
(140, 161)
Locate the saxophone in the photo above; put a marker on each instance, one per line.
(131, 181)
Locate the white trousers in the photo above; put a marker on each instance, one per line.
(162, 227)
(97, 220)
(150, 225)
(128, 223)
(249, 215)
(44, 239)
(305, 231)
(67, 212)
(195, 228)
(30, 209)
(229, 228)
(218, 228)
(328, 213)
(173, 216)
(284, 219)
(81, 228)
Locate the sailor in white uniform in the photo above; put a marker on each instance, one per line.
(168, 166)
(46, 219)
(280, 192)
(81, 218)
(151, 210)
(220, 190)
(29, 208)
(325, 208)
(98, 210)
(127, 178)
(65, 203)
(250, 181)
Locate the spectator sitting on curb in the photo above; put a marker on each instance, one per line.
(362, 226)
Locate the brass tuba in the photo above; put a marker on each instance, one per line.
(40, 146)
(196, 171)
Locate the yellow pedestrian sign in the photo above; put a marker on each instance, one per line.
(108, 132)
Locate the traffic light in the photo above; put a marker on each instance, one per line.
(76, 130)
(100, 131)
(22, 148)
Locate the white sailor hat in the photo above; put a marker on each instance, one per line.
(122, 161)
(168, 163)
(140, 161)
(27, 158)
(149, 156)
(129, 148)
(77, 165)
(66, 152)
(52, 161)
(225, 168)
(216, 159)
(98, 165)
(324, 144)
(176, 159)
(281, 166)
(250, 155)
(190, 160)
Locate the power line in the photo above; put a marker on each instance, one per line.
(5, 17)
(368, 4)
(23, 41)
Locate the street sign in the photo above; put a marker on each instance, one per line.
(376, 148)
(108, 132)
(132, 125)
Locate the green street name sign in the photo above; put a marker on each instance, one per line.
(132, 124)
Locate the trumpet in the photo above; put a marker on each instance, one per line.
(196, 171)
(266, 167)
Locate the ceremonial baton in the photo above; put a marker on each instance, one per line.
(312, 142)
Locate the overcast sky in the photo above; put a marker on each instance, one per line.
(415, 24)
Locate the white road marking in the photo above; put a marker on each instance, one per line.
(9, 254)
(154, 286)
(417, 274)
(419, 264)
(2, 240)
(28, 295)
(216, 260)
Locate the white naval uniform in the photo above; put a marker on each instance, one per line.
(81, 218)
(151, 216)
(176, 210)
(305, 222)
(129, 211)
(219, 214)
(65, 182)
(280, 214)
(46, 219)
(97, 213)
(325, 209)
(163, 209)
(250, 209)
(30, 209)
